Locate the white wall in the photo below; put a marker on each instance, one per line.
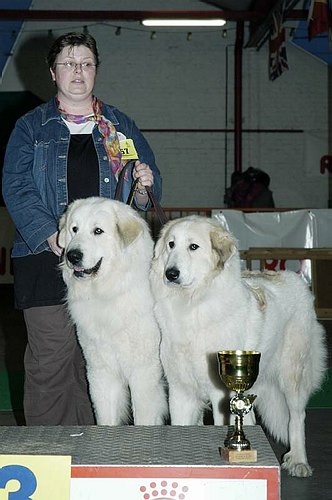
(172, 83)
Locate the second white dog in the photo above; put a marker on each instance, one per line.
(204, 305)
(107, 255)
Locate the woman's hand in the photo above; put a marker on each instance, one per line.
(143, 173)
(53, 244)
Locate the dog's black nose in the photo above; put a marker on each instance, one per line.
(172, 274)
(74, 256)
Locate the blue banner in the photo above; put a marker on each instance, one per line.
(9, 30)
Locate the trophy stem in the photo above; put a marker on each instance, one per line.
(238, 441)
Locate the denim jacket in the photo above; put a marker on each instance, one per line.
(35, 172)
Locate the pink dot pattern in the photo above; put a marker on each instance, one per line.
(164, 491)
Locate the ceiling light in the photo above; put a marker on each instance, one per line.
(183, 22)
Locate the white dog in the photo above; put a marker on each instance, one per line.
(204, 305)
(107, 256)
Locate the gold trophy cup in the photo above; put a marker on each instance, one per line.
(239, 370)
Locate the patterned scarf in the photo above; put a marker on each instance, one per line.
(107, 130)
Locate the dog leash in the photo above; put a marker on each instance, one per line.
(154, 202)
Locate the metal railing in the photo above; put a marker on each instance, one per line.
(172, 213)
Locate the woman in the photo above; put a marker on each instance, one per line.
(65, 149)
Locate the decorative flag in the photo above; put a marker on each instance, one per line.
(278, 54)
(318, 18)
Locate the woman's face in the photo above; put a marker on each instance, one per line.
(74, 81)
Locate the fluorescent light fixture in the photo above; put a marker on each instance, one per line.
(184, 22)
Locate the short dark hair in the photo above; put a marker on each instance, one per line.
(71, 40)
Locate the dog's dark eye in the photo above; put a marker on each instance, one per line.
(75, 229)
(98, 231)
(171, 244)
(193, 246)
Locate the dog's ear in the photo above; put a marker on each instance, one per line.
(224, 246)
(129, 229)
(160, 247)
(62, 231)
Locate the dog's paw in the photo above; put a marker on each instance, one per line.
(296, 469)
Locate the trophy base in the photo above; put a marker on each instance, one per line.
(238, 456)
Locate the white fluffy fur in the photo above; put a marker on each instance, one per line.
(212, 307)
(113, 309)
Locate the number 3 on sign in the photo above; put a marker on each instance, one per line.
(26, 479)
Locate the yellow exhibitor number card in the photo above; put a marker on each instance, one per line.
(35, 477)
(128, 150)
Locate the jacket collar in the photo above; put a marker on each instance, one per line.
(50, 112)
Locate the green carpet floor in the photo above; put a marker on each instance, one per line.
(11, 392)
(323, 397)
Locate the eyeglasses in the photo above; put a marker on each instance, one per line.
(71, 65)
